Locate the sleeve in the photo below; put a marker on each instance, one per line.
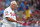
(7, 14)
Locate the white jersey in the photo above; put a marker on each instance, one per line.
(8, 12)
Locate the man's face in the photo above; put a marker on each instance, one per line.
(13, 6)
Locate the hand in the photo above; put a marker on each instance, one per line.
(19, 22)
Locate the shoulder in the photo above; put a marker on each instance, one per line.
(7, 9)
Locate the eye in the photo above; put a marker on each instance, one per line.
(13, 4)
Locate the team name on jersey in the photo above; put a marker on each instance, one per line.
(12, 14)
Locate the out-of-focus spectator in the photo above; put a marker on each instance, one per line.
(1, 17)
(36, 24)
(7, 2)
(21, 5)
(20, 8)
(39, 22)
(1, 11)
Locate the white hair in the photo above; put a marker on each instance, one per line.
(13, 2)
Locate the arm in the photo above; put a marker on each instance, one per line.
(7, 15)
(10, 19)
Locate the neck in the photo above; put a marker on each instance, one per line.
(12, 9)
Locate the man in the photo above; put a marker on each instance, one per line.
(27, 15)
(20, 9)
(9, 18)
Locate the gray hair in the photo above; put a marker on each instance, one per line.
(13, 2)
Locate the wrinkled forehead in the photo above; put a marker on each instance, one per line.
(13, 4)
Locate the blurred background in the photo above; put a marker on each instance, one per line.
(30, 8)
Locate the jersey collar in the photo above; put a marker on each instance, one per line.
(11, 8)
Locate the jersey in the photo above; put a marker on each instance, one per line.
(8, 12)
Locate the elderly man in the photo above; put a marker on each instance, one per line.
(9, 18)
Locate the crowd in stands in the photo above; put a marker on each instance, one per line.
(22, 6)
